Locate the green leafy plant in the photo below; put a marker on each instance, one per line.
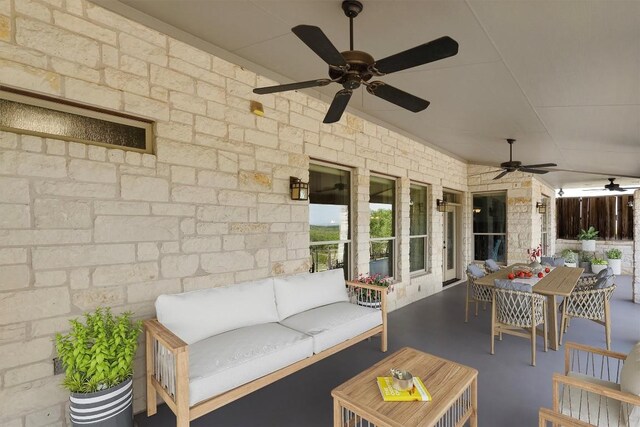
(569, 256)
(599, 261)
(590, 234)
(586, 256)
(614, 253)
(98, 354)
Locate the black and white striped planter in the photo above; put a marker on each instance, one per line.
(106, 408)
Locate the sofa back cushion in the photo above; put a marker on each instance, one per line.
(302, 292)
(630, 380)
(194, 316)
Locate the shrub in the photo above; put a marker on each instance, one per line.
(614, 253)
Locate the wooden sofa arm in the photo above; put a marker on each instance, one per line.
(573, 351)
(546, 415)
(168, 339)
(601, 390)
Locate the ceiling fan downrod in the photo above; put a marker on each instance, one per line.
(351, 8)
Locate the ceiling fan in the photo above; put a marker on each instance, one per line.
(612, 186)
(353, 68)
(338, 186)
(514, 165)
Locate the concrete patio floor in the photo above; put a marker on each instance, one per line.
(510, 389)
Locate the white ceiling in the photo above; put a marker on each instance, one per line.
(562, 77)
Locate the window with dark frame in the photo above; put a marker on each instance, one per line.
(490, 226)
(418, 229)
(382, 226)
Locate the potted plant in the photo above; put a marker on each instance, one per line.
(615, 260)
(570, 258)
(598, 264)
(98, 359)
(588, 239)
(368, 297)
(585, 261)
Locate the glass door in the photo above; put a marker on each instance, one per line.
(449, 250)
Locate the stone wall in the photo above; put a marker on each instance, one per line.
(524, 226)
(602, 246)
(84, 226)
(636, 247)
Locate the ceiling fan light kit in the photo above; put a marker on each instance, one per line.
(354, 68)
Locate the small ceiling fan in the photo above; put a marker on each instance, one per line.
(353, 68)
(338, 186)
(514, 165)
(612, 186)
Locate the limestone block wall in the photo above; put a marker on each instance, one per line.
(523, 221)
(84, 226)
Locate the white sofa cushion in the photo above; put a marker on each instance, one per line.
(591, 407)
(226, 361)
(630, 380)
(194, 316)
(295, 294)
(334, 323)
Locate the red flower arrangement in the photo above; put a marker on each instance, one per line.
(535, 253)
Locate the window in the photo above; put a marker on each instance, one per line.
(490, 226)
(418, 241)
(382, 224)
(52, 118)
(330, 218)
(545, 226)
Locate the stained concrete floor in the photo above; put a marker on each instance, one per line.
(510, 390)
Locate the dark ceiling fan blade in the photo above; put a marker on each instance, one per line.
(434, 50)
(291, 86)
(320, 44)
(501, 175)
(541, 165)
(397, 96)
(338, 106)
(529, 170)
(484, 173)
(598, 173)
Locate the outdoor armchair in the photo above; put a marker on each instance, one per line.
(476, 293)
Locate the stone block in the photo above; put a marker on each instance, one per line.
(77, 149)
(14, 216)
(274, 213)
(46, 417)
(50, 278)
(90, 299)
(179, 265)
(192, 194)
(188, 226)
(254, 181)
(217, 179)
(170, 247)
(185, 102)
(75, 189)
(173, 209)
(176, 153)
(142, 50)
(113, 20)
(135, 229)
(13, 332)
(43, 237)
(124, 81)
(236, 198)
(58, 42)
(75, 70)
(31, 397)
(211, 126)
(79, 278)
(30, 78)
(133, 158)
(189, 54)
(26, 374)
(14, 277)
(206, 282)
(41, 165)
(14, 190)
(175, 131)
(149, 291)
(133, 65)
(13, 256)
(223, 214)
(82, 255)
(123, 274)
(121, 208)
(146, 107)
(25, 305)
(92, 93)
(201, 244)
(86, 28)
(144, 188)
(31, 143)
(171, 80)
(61, 213)
(183, 175)
(224, 262)
(148, 251)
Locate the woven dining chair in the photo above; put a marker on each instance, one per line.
(476, 293)
(518, 311)
(590, 302)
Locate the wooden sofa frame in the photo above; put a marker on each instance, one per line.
(167, 370)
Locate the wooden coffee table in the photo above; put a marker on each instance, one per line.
(453, 387)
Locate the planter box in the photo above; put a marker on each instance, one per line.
(570, 264)
(105, 408)
(588, 245)
(587, 266)
(597, 268)
(616, 266)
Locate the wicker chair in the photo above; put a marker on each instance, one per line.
(476, 293)
(591, 279)
(589, 302)
(514, 311)
(594, 389)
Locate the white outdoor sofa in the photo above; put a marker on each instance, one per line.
(208, 348)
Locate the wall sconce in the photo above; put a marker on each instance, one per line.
(299, 189)
(477, 210)
(630, 203)
(441, 205)
(541, 207)
(256, 108)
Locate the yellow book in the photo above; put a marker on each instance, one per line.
(390, 394)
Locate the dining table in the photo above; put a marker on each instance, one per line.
(559, 282)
